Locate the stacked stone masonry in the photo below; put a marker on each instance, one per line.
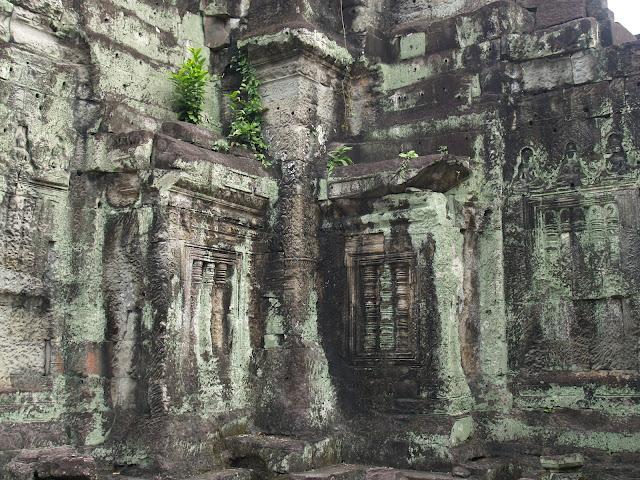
(171, 311)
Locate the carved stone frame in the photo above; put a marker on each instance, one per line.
(369, 251)
(211, 255)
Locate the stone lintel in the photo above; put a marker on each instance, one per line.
(438, 173)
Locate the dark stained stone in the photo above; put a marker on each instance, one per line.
(52, 463)
(438, 173)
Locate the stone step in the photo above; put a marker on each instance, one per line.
(333, 472)
(282, 455)
(362, 472)
(227, 474)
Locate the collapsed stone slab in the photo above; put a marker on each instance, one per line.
(57, 463)
(438, 173)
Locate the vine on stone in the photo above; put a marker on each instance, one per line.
(190, 82)
(246, 107)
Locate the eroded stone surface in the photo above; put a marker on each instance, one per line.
(170, 309)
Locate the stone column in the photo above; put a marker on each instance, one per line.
(300, 85)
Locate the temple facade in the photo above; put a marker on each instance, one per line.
(461, 301)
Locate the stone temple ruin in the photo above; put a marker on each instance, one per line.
(171, 311)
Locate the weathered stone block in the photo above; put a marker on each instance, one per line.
(438, 173)
(461, 472)
(227, 474)
(60, 462)
(586, 68)
(565, 39)
(492, 21)
(445, 90)
(117, 152)
(337, 472)
(553, 12)
(6, 8)
(546, 74)
(190, 133)
(123, 190)
(218, 8)
(439, 36)
(622, 35)
(217, 32)
(413, 45)
(562, 462)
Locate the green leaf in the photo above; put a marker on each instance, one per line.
(246, 106)
(190, 86)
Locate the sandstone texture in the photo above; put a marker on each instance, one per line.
(461, 302)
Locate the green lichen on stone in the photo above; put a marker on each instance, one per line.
(462, 431)
(402, 75)
(425, 448)
(32, 407)
(312, 39)
(413, 45)
(612, 442)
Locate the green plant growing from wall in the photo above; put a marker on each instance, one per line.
(406, 157)
(190, 83)
(443, 150)
(410, 155)
(339, 158)
(221, 145)
(247, 109)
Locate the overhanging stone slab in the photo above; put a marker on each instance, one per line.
(170, 153)
(438, 173)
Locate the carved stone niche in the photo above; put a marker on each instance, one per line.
(210, 272)
(584, 282)
(381, 321)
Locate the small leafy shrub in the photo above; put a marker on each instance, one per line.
(190, 82)
(443, 150)
(246, 107)
(339, 158)
(406, 156)
(221, 146)
(411, 154)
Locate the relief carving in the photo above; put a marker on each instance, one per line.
(21, 153)
(210, 274)
(571, 170)
(579, 281)
(381, 323)
(616, 155)
(524, 172)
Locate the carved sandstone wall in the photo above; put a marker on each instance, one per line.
(165, 308)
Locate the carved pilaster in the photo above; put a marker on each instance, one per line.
(196, 281)
(371, 309)
(219, 328)
(403, 305)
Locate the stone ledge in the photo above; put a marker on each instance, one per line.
(227, 474)
(438, 173)
(362, 472)
(169, 153)
(190, 133)
(284, 454)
